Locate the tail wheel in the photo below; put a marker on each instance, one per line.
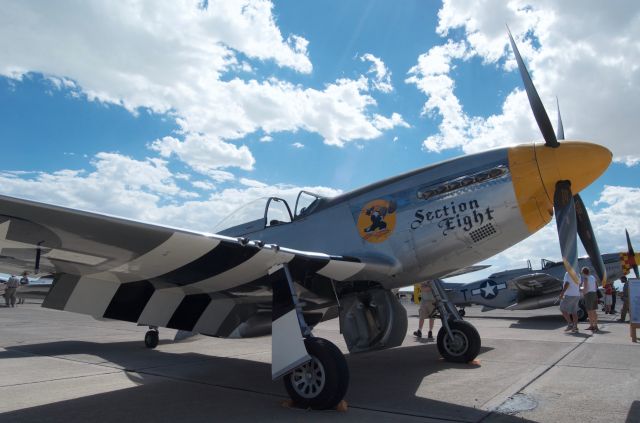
(582, 312)
(465, 344)
(151, 339)
(321, 383)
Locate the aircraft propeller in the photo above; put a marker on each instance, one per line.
(571, 215)
(632, 255)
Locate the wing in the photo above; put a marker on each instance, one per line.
(535, 290)
(535, 284)
(153, 275)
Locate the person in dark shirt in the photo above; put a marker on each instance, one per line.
(625, 299)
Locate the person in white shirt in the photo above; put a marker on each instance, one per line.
(10, 291)
(589, 287)
(569, 299)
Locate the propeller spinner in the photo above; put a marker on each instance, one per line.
(565, 168)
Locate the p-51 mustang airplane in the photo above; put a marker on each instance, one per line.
(527, 289)
(336, 257)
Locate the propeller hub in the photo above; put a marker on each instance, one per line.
(535, 170)
(578, 162)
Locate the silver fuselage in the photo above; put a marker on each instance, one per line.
(443, 221)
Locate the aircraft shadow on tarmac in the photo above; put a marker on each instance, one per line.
(634, 413)
(195, 387)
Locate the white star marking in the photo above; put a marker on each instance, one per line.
(489, 290)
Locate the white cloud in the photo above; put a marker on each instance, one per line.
(119, 185)
(266, 138)
(619, 210)
(384, 123)
(205, 155)
(207, 186)
(592, 65)
(297, 145)
(179, 59)
(382, 76)
(143, 190)
(252, 183)
(431, 76)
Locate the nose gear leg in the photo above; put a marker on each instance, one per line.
(458, 340)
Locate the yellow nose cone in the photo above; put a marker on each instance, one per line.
(579, 162)
(535, 170)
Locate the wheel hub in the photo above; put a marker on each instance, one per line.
(308, 380)
(458, 345)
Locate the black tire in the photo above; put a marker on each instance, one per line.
(332, 377)
(582, 312)
(151, 339)
(467, 346)
(461, 312)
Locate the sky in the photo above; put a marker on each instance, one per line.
(179, 112)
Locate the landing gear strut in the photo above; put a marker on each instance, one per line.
(151, 337)
(314, 371)
(458, 340)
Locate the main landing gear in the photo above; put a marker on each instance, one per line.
(151, 338)
(314, 371)
(322, 382)
(457, 340)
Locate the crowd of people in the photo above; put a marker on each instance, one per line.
(586, 289)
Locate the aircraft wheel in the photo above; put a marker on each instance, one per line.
(321, 383)
(151, 339)
(461, 312)
(582, 312)
(465, 344)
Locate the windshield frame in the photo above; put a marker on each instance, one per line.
(266, 210)
(308, 209)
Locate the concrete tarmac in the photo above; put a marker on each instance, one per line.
(63, 367)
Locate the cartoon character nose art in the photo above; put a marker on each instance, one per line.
(377, 220)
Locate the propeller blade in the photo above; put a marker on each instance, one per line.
(566, 221)
(560, 131)
(632, 255)
(588, 238)
(534, 100)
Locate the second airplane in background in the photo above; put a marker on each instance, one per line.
(527, 289)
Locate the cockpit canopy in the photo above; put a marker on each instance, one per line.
(268, 211)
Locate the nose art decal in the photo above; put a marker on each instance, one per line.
(377, 220)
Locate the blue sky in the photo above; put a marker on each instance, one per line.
(174, 114)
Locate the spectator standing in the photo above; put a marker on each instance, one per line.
(569, 299)
(24, 281)
(589, 287)
(625, 299)
(10, 291)
(608, 298)
(427, 307)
